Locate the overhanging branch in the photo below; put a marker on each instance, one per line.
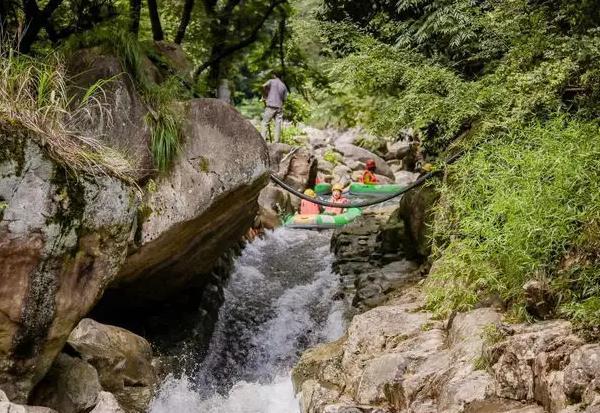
(229, 50)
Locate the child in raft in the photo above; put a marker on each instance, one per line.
(336, 196)
(368, 176)
(307, 207)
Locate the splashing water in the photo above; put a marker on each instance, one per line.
(279, 301)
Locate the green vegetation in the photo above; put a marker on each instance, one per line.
(332, 157)
(34, 96)
(517, 85)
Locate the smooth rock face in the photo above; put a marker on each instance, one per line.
(62, 241)
(199, 209)
(71, 386)
(123, 361)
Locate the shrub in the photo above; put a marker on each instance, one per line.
(512, 210)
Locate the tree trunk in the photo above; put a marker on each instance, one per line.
(157, 31)
(34, 21)
(214, 74)
(135, 8)
(282, 28)
(186, 15)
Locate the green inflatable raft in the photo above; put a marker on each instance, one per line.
(357, 188)
(323, 188)
(323, 221)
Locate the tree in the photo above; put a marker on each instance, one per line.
(35, 20)
(157, 31)
(231, 29)
(185, 20)
(135, 7)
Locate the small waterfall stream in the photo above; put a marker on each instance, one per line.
(281, 299)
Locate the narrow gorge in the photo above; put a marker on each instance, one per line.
(299, 206)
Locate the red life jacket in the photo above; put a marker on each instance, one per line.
(335, 210)
(368, 177)
(309, 208)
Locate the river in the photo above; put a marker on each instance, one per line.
(282, 298)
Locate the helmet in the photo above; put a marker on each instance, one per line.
(310, 193)
(371, 164)
(337, 187)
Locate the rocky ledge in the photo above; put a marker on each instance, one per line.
(398, 357)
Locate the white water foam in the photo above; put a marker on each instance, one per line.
(278, 302)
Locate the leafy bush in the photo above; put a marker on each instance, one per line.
(513, 210)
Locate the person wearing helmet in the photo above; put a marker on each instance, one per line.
(368, 176)
(336, 196)
(307, 207)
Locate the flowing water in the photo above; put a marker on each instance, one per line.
(281, 299)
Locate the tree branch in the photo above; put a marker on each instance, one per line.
(228, 50)
(35, 21)
(186, 14)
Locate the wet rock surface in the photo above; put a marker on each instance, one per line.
(122, 359)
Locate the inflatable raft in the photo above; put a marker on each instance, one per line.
(323, 221)
(323, 188)
(357, 188)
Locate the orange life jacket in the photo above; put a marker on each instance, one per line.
(368, 177)
(309, 208)
(335, 210)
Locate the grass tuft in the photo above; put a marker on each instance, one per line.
(34, 96)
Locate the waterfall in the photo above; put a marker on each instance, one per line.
(279, 301)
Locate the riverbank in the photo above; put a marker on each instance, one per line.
(397, 356)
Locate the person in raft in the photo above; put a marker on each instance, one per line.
(275, 93)
(368, 176)
(336, 196)
(307, 207)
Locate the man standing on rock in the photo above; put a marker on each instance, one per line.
(275, 93)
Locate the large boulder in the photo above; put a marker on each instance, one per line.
(123, 361)
(202, 207)
(63, 239)
(361, 155)
(71, 386)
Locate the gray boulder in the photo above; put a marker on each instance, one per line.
(71, 386)
(123, 361)
(358, 154)
(62, 241)
(127, 130)
(202, 207)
